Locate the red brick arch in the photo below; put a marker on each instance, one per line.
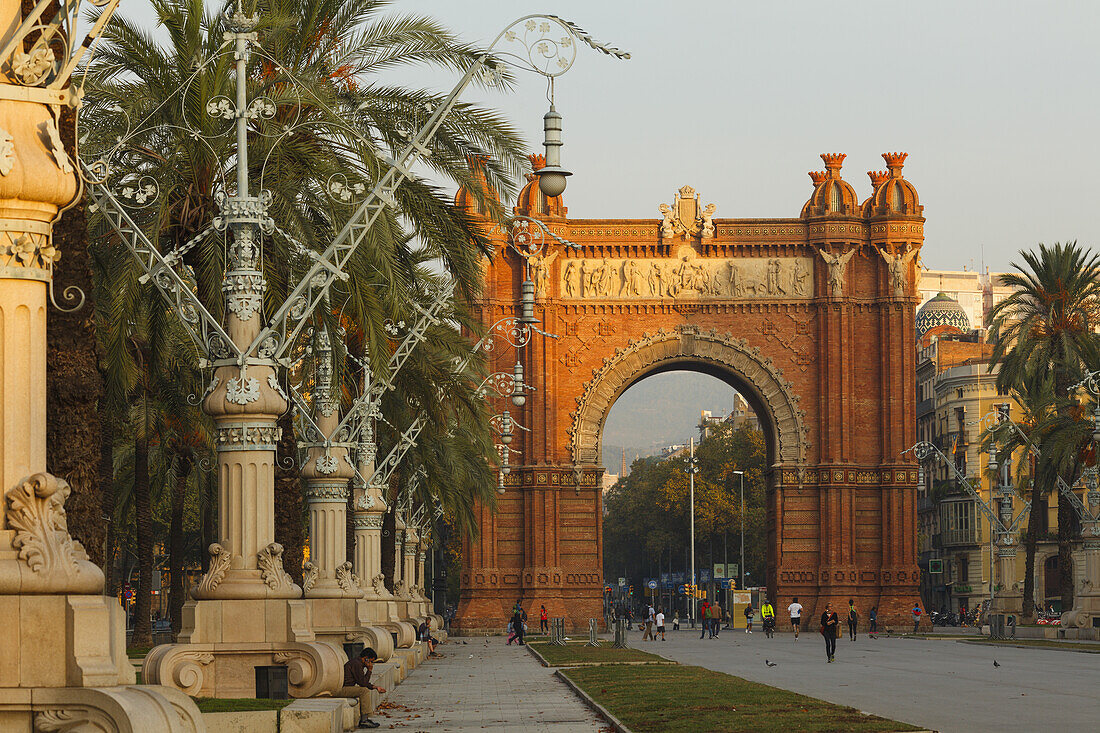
(729, 358)
(810, 317)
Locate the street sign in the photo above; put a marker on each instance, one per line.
(704, 576)
(935, 566)
(622, 582)
(128, 594)
(725, 583)
(719, 571)
(664, 577)
(679, 577)
(652, 585)
(731, 570)
(681, 589)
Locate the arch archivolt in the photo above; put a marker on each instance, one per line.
(687, 344)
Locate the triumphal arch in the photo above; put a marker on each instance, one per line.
(810, 318)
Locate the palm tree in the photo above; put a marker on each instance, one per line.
(1048, 325)
(320, 64)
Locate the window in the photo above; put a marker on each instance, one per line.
(958, 523)
(964, 570)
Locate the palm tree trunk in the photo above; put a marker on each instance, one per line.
(1030, 543)
(143, 523)
(289, 522)
(177, 591)
(106, 479)
(1067, 533)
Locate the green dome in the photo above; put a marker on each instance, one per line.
(939, 311)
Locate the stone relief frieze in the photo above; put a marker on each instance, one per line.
(688, 276)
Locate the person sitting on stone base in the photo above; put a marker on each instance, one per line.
(424, 633)
(357, 684)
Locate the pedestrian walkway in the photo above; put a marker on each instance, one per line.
(483, 685)
(941, 684)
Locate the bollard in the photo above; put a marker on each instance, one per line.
(557, 632)
(620, 634)
(592, 640)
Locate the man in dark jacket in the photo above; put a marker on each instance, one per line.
(357, 684)
(518, 617)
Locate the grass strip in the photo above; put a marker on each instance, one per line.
(579, 654)
(687, 699)
(236, 705)
(1065, 646)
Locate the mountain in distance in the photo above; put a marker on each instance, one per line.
(659, 411)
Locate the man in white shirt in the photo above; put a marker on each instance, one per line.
(661, 623)
(649, 618)
(795, 609)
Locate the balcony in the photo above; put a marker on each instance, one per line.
(924, 407)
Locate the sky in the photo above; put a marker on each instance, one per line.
(994, 101)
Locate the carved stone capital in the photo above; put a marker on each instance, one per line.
(260, 436)
(270, 561)
(49, 560)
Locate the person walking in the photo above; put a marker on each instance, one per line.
(767, 613)
(748, 618)
(544, 620)
(830, 627)
(704, 618)
(661, 623)
(518, 617)
(795, 610)
(715, 619)
(872, 619)
(650, 617)
(916, 616)
(676, 620)
(853, 619)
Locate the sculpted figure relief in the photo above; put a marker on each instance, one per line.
(898, 266)
(688, 274)
(706, 219)
(569, 280)
(540, 272)
(838, 266)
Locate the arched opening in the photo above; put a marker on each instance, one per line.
(657, 420)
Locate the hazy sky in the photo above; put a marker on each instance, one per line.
(994, 101)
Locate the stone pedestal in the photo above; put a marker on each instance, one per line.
(1083, 620)
(1008, 599)
(63, 663)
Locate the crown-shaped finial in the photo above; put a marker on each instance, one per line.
(538, 160)
(895, 161)
(818, 177)
(877, 178)
(833, 161)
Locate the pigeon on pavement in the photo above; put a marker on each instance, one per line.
(770, 663)
(995, 663)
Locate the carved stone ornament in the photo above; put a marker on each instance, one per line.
(759, 372)
(378, 584)
(247, 437)
(72, 720)
(309, 577)
(36, 511)
(27, 249)
(270, 561)
(689, 276)
(367, 521)
(365, 501)
(7, 152)
(838, 270)
(241, 391)
(399, 587)
(327, 493)
(346, 579)
(220, 558)
(684, 218)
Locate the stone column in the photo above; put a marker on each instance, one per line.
(327, 472)
(409, 572)
(247, 610)
(1080, 621)
(63, 661)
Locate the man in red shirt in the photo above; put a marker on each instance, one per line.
(544, 626)
(357, 684)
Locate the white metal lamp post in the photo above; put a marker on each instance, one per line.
(693, 468)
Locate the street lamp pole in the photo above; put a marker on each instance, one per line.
(691, 491)
(741, 581)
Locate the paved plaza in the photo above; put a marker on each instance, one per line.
(944, 685)
(483, 685)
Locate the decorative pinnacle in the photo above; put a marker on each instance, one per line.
(895, 161)
(538, 160)
(877, 178)
(818, 177)
(238, 22)
(833, 161)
